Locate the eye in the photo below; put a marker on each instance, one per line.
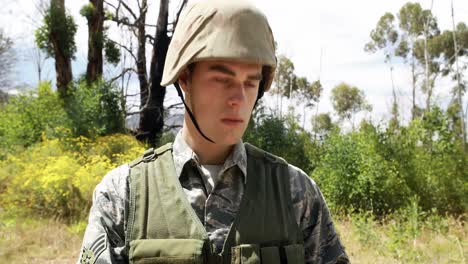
(221, 80)
(250, 85)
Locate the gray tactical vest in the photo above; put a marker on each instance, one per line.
(162, 226)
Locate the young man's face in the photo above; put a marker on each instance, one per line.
(221, 95)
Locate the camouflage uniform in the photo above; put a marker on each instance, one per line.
(104, 239)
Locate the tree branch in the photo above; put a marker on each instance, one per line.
(124, 71)
(151, 38)
(174, 106)
(125, 48)
(182, 5)
(128, 9)
(111, 5)
(145, 107)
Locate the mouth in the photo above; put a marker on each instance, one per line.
(232, 121)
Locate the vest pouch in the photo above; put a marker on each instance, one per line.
(294, 253)
(270, 255)
(246, 254)
(170, 251)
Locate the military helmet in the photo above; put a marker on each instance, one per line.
(224, 30)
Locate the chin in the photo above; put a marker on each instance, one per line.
(229, 140)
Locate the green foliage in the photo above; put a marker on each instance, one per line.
(322, 124)
(309, 92)
(112, 51)
(95, 109)
(382, 171)
(92, 110)
(26, 118)
(413, 18)
(284, 77)
(354, 175)
(87, 11)
(283, 137)
(101, 39)
(365, 225)
(288, 84)
(348, 100)
(59, 28)
(384, 36)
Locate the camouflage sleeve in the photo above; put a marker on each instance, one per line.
(104, 238)
(321, 243)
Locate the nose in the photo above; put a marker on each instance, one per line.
(237, 95)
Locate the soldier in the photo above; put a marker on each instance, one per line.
(208, 197)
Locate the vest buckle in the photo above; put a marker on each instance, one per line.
(149, 155)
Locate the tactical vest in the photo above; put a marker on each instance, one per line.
(162, 226)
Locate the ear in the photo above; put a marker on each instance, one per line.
(184, 80)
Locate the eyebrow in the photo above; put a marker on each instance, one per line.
(225, 70)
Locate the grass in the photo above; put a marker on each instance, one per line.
(434, 240)
(34, 240)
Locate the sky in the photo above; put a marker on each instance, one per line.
(324, 39)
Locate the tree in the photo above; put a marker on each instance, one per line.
(152, 118)
(416, 23)
(38, 58)
(98, 40)
(384, 37)
(449, 47)
(94, 13)
(348, 100)
(309, 93)
(284, 82)
(322, 124)
(3, 97)
(152, 95)
(56, 38)
(6, 59)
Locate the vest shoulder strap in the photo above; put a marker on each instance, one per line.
(260, 153)
(151, 154)
(158, 207)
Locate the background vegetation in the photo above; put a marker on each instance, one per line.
(398, 190)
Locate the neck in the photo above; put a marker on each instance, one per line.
(208, 153)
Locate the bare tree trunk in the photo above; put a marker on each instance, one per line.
(141, 50)
(39, 59)
(141, 71)
(459, 90)
(63, 66)
(413, 82)
(395, 100)
(426, 72)
(428, 85)
(304, 118)
(95, 41)
(152, 116)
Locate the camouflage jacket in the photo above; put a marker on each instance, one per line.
(104, 239)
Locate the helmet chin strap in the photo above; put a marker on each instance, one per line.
(192, 117)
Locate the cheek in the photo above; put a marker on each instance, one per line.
(252, 96)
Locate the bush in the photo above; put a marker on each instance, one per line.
(95, 109)
(26, 118)
(282, 137)
(354, 176)
(57, 177)
(434, 163)
(92, 110)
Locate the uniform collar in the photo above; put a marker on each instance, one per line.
(182, 153)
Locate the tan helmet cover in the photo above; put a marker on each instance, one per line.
(221, 30)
